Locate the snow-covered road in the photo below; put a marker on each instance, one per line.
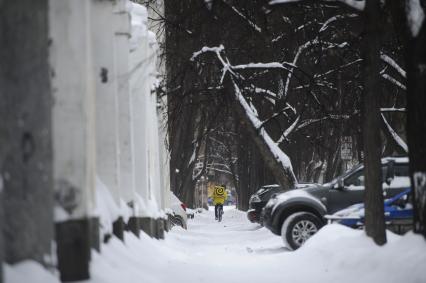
(233, 250)
(238, 251)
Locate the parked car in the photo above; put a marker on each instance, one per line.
(398, 214)
(259, 199)
(178, 216)
(190, 213)
(297, 214)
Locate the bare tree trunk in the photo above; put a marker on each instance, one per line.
(374, 211)
(416, 127)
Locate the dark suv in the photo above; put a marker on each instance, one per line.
(298, 214)
(259, 199)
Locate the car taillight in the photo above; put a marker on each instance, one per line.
(183, 206)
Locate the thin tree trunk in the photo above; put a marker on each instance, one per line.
(374, 211)
(416, 127)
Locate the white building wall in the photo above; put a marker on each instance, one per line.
(73, 110)
(138, 80)
(105, 72)
(153, 138)
(106, 122)
(126, 148)
(143, 55)
(164, 154)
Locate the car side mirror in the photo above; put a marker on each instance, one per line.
(390, 172)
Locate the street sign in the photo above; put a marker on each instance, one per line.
(346, 148)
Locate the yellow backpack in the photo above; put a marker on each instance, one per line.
(219, 195)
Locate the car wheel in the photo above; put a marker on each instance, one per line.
(298, 228)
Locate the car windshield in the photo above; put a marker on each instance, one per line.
(344, 175)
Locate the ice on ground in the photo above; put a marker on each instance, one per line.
(235, 250)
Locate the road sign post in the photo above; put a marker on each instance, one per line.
(346, 149)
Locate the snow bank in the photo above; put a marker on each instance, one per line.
(139, 21)
(148, 208)
(348, 255)
(106, 208)
(246, 252)
(28, 271)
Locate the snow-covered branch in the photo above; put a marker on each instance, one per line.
(249, 22)
(309, 122)
(279, 155)
(270, 96)
(395, 136)
(267, 94)
(278, 161)
(300, 50)
(393, 110)
(205, 49)
(272, 65)
(356, 4)
(393, 64)
(338, 69)
(394, 81)
(296, 57)
(226, 66)
(217, 50)
(288, 131)
(335, 18)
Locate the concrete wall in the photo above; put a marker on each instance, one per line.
(105, 70)
(74, 108)
(122, 33)
(74, 140)
(139, 78)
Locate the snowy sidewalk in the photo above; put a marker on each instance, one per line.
(238, 251)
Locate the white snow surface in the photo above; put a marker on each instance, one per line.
(238, 251)
(106, 208)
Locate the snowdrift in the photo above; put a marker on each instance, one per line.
(246, 253)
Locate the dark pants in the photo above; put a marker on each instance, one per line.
(216, 210)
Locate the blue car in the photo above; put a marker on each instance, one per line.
(398, 214)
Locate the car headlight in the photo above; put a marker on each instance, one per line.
(255, 198)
